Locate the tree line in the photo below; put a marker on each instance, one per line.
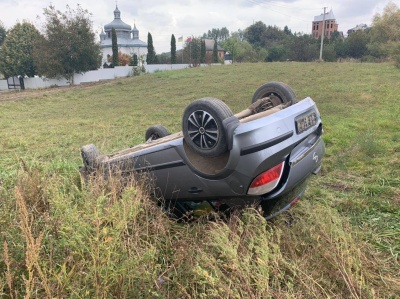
(262, 43)
(67, 45)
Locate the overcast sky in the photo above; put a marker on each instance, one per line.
(190, 17)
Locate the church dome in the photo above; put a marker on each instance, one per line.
(103, 36)
(117, 23)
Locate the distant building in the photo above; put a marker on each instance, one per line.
(330, 25)
(210, 50)
(359, 27)
(127, 38)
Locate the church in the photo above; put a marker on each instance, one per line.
(127, 38)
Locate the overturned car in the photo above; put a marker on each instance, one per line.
(263, 155)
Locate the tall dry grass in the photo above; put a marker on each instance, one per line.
(110, 239)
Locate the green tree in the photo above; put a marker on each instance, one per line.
(341, 48)
(357, 44)
(134, 60)
(246, 53)
(273, 36)
(287, 30)
(233, 43)
(68, 46)
(173, 49)
(151, 54)
(114, 47)
(16, 52)
(164, 58)
(253, 34)
(215, 51)
(195, 49)
(203, 52)
(3, 33)
(329, 53)
(385, 34)
(217, 34)
(276, 53)
(302, 48)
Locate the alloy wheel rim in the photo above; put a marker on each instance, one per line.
(203, 129)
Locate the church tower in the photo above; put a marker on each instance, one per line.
(127, 38)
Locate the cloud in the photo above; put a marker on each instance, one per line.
(192, 17)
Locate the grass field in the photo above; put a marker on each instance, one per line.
(62, 239)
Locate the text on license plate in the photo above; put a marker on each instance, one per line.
(305, 121)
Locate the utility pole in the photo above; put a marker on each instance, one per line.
(323, 34)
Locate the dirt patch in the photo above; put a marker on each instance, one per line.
(19, 95)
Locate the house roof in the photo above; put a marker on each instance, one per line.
(328, 16)
(360, 27)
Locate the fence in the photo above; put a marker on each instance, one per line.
(93, 76)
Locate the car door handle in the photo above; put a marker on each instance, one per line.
(195, 190)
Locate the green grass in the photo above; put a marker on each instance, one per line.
(60, 238)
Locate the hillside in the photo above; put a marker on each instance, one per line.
(60, 238)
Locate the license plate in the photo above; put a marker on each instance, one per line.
(306, 121)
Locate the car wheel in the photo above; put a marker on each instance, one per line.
(156, 132)
(202, 126)
(90, 153)
(278, 92)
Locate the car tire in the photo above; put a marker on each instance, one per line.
(90, 154)
(156, 132)
(202, 126)
(278, 92)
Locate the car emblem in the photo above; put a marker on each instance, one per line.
(315, 157)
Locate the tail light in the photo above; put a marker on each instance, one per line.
(266, 181)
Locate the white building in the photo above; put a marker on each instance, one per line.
(359, 27)
(127, 39)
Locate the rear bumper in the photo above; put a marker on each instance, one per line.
(276, 206)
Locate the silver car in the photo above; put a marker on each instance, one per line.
(263, 155)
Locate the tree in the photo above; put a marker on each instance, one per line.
(151, 54)
(215, 51)
(329, 53)
(195, 48)
(385, 26)
(341, 48)
(68, 46)
(114, 47)
(253, 34)
(273, 36)
(246, 53)
(203, 51)
(134, 61)
(173, 49)
(3, 33)
(302, 48)
(357, 44)
(164, 58)
(276, 53)
(217, 34)
(287, 30)
(16, 52)
(233, 43)
(385, 33)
